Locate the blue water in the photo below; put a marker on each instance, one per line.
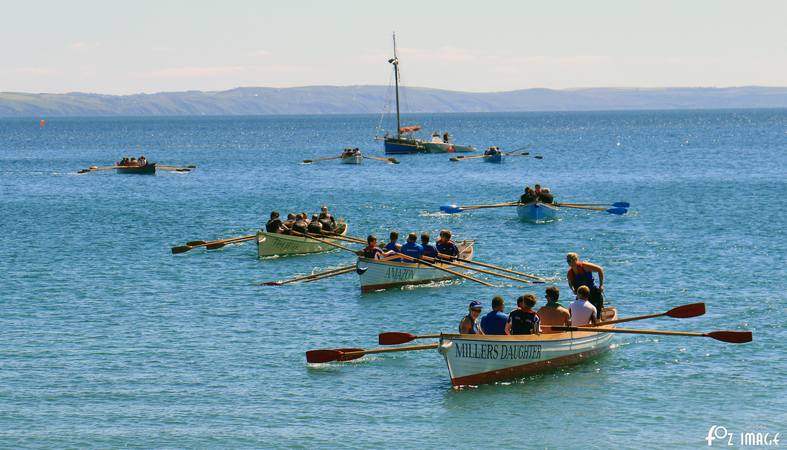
(108, 340)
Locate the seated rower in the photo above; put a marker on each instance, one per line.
(528, 197)
(546, 196)
(412, 248)
(429, 249)
(372, 251)
(491, 151)
(582, 311)
(300, 226)
(142, 162)
(393, 245)
(132, 162)
(123, 161)
(305, 217)
(275, 224)
(327, 219)
(537, 190)
(445, 246)
(523, 320)
(315, 227)
(469, 323)
(291, 218)
(553, 313)
(494, 322)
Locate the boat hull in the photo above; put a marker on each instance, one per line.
(497, 159)
(473, 360)
(149, 169)
(402, 146)
(354, 159)
(275, 244)
(537, 212)
(375, 274)
(439, 147)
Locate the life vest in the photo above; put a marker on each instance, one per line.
(582, 277)
(273, 226)
(447, 248)
(372, 253)
(523, 322)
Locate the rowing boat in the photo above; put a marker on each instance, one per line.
(477, 359)
(537, 212)
(355, 158)
(148, 169)
(377, 274)
(445, 147)
(276, 244)
(495, 158)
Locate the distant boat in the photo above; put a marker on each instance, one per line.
(404, 142)
(537, 212)
(147, 169)
(351, 156)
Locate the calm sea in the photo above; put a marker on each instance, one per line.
(108, 340)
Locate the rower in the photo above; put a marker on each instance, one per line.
(523, 320)
(581, 310)
(469, 323)
(412, 248)
(315, 227)
(445, 245)
(275, 224)
(546, 196)
(528, 196)
(132, 162)
(142, 162)
(491, 151)
(392, 245)
(494, 322)
(291, 218)
(372, 251)
(327, 219)
(429, 249)
(553, 313)
(580, 273)
(537, 190)
(300, 225)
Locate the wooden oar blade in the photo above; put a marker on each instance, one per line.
(307, 161)
(180, 249)
(450, 159)
(270, 283)
(193, 243)
(322, 356)
(215, 245)
(686, 311)
(733, 337)
(393, 160)
(394, 338)
(450, 209)
(617, 211)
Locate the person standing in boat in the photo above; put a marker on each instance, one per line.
(553, 313)
(494, 322)
(446, 137)
(412, 248)
(275, 224)
(326, 219)
(429, 249)
(469, 323)
(445, 246)
(581, 310)
(580, 273)
(523, 320)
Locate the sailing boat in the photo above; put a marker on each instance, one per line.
(404, 142)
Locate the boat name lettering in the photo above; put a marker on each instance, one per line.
(498, 351)
(400, 274)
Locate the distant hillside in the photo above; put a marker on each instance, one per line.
(372, 99)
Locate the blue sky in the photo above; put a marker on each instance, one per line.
(151, 46)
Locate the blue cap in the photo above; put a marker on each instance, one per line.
(475, 304)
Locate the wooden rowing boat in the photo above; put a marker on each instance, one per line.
(148, 169)
(537, 212)
(355, 158)
(495, 158)
(474, 359)
(376, 274)
(276, 244)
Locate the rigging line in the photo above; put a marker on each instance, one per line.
(387, 105)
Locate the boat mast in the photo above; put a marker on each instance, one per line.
(395, 62)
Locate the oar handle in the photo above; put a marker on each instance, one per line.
(434, 266)
(502, 269)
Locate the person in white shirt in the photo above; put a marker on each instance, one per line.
(582, 311)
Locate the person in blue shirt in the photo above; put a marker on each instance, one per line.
(445, 245)
(392, 245)
(429, 249)
(412, 248)
(494, 322)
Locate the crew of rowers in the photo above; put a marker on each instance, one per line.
(536, 194)
(350, 152)
(132, 162)
(586, 309)
(301, 224)
(492, 151)
(393, 250)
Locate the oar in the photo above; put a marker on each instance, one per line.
(324, 356)
(679, 312)
(388, 160)
(618, 211)
(178, 169)
(220, 244)
(194, 244)
(309, 161)
(398, 337)
(529, 156)
(402, 255)
(489, 272)
(733, 337)
(462, 158)
(341, 272)
(502, 269)
(94, 168)
(616, 204)
(453, 209)
(305, 277)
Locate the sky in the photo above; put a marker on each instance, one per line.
(125, 47)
